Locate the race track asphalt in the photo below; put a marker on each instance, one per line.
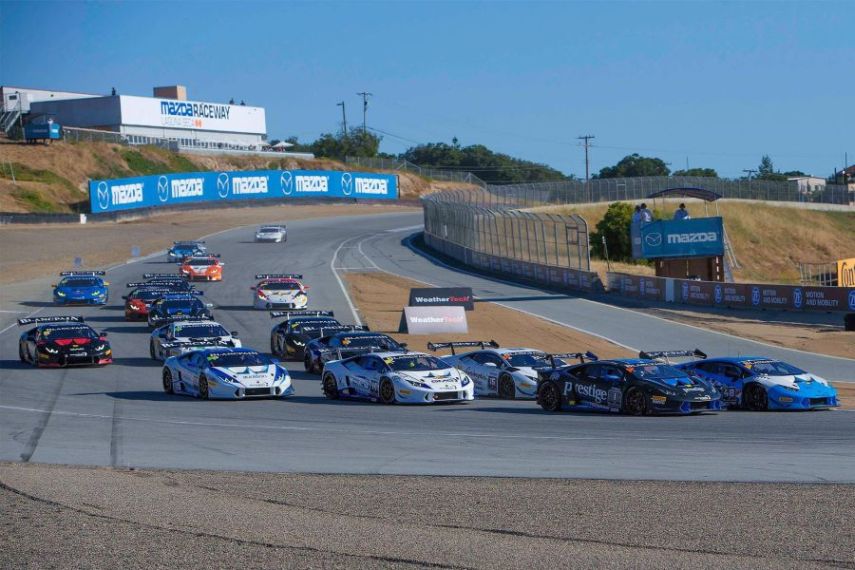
(119, 416)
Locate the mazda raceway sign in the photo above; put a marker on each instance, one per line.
(682, 238)
(171, 189)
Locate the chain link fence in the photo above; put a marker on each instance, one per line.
(407, 166)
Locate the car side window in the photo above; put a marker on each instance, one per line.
(476, 357)
(730, 371)
(610, 372)
(591, 372)
(490, 358)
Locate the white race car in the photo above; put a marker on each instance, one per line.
(390, 377)
(276, 234)
(226, 373)
(280, 291)
(508, 373)
(178, 337)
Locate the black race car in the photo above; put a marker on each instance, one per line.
(635, 386)
(61, 341)
(138, 301)
(346, 344)
(177, 306)
(288, 339)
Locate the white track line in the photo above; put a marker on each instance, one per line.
(350, 304)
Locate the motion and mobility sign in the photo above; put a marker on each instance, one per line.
(188, 187)
(442, 297)
(698, 237)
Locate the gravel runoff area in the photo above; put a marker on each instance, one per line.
(64, 517)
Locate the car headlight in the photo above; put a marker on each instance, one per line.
(50, 350)
(59, 293)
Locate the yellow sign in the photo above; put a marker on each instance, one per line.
(846, 272)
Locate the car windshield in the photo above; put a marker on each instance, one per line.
(658, 372)
(415, 363)
(185, 304)
(49, 333)
(199, 331)
(80, 282)
(773, 368)
(201, 261)
(382, 341)
(269, 230)
(232, 359)
(527, 359)
(280, 286)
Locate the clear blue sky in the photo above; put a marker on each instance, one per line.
(718, 83)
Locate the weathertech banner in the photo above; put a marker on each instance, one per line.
(442, 296)
(431, 320)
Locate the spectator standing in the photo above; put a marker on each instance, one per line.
(636, 215)
(681, 213)
(646, 214)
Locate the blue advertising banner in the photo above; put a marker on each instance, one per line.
(171, 189)
(682, 238)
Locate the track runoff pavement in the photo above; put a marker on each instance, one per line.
(119, 416)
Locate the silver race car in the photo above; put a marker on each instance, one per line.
(178, 337)
(275, 234)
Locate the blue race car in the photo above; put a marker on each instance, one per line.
(759, 383)
(81, 288)
(182, 249)
(226, 373)
(177, 307)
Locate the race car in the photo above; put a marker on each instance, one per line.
(760, 383)
(390, 377)
(226, 373)
(175, 284)
(202, 268)
(288, 339)
(635, 386)
(175, 306)
(178, 337)
(508, 373)
(61, 341)
(138, 302)
(182, 249)
(345, 344)
(81, 288)
(276, 234)
(280, 291)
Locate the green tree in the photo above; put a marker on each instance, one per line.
(355, 143)
(766, 170)
(704, 172)
(635, 165)
(615, 228)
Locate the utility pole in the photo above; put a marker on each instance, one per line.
(587, 144)
(343, 117)
(365, 95)
(749, 172)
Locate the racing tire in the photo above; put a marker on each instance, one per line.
(310, 365)
(204, 394)
(330, 387)
(635, 402)
(151, 351)
(387, 391)
(755, 398)
(549, 397)
(507, 389)
(167, 381)
(21, 355)
(273, 348)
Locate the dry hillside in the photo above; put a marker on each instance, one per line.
(54, 178)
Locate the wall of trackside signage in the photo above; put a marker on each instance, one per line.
(189, 187)
(733, 295)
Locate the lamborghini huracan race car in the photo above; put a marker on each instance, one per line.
(175, 306)
(62, 341)
(178, 337)
(288, 339)
(276, 234)
(346, 344)
(182, 249)
(759, 383)
(226, 373)
(635, 386)
(164, 281)
(279, 291)
(203, 268)
(81, 288)
(505, 372)
(389, 377)
(138, 301)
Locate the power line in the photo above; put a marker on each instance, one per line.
(587, 139)
(365, 95)
(343, 116)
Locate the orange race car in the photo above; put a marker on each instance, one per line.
(202, 268)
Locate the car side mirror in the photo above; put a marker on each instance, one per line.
(233, 333)
(106, 282)
(252, 288)
(125, 297)
(53, 285)
(306, 287)
(102, 334)
(404, 344)
(209, 305)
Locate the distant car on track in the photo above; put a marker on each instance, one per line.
(288, 339)
(176, 306)
(178, 337)
(182, 249)
(61, 341)
(226, 373)
(279, 291)
(345, 344)
(202, 268)
(635, 386)
(81, 288)
(402, 377)
(275, 234)
(760, 383)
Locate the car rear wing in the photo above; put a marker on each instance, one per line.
(667, 355)
(165, 286)
(279, 276)
(57, 319)
(80, 273)
(582, 357)
(434, 346)
(332, 329)
(199, 343)
(357, 351)
(170, 276)
(187, 242)
(286, 313)
(181, 318)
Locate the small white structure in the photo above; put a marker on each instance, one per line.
(808, 184)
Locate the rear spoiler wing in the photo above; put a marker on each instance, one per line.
(57, 319)
(277, 314)
(581, 356)
(188, 242)
(334, 329)
(169, 276)
(200, 343)
(434, 346)
(74, 273)
(667, 355)
(279, 276)
(180, 318)
(357, 351)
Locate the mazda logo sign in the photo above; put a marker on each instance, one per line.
(347, 184)
(163, 189)
(223, 185)
(103, 195)
(285, 180)
(653, 240)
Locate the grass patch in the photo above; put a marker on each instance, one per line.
(35, 201)
(141, 165)
(23, 173)
(180, 163)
